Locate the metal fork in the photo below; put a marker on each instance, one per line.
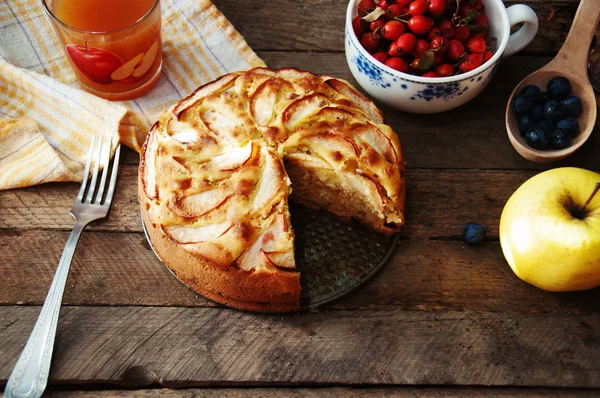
(30, 375)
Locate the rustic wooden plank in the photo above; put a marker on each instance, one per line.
(318, 25)
(421, 275)
(190, 347)
(439, 202)
(338, 392)
(472, 136)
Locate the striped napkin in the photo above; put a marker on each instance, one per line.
(46, 121)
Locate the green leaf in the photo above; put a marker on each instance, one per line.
(471, 15)
(374, 15)
(426, 60)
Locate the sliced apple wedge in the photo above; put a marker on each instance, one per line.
(270, 240)
(308, 161)
(365, 185)
(233, 159)
(206, 233)
(147, 61)
(303, 107)
(365, 104)
(376, 139)
(280, 259)
(271, 181)
(334, 148)
(148, 165)
(125, 70)
(264, 100)
(198, 204)
(222, 83)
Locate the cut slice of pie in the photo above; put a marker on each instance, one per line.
(218, 168)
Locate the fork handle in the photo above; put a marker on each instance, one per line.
(30, 375)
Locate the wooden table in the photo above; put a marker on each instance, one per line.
(440, 318)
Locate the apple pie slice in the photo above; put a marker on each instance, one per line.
(218, 168)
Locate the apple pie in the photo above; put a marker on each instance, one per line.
(218, 167)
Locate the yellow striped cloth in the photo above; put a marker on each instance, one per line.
(46, 121)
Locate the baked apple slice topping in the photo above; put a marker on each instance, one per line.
(149, 165)
(303, 107)
(308, 161)
(198, 204)
(373, 136)
(273, 247)
(191, 234)
(234, 159)
(271, 181)
(223, 83)
(264, 100)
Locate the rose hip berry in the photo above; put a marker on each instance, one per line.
(430, 38)
(392, 30)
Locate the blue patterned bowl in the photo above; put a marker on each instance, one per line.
(418, 94)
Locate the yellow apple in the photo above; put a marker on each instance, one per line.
(549, 236)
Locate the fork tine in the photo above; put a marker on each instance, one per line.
(86, 173)
(113, 176)
(105, 164)
(92, 189)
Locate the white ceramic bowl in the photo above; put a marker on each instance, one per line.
(418, 94)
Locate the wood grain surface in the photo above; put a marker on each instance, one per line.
(179, 347)
(440, 319)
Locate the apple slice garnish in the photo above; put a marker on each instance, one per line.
(147, 61)
(271, 181)
(365, 104)
(234, 159)
(223, 82)
(206, 233)
(182, 132)
(365, 185)
(127, 68)
(263, 101)
(274, 238)
(377, 140)
(149, 165)
(96, 64)
(280, 259)
(334, 148)
(303, 107)
(308, 161)
(198, 204)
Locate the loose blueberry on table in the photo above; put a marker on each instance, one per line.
(473, 233)
(548, 120)
(429, 38)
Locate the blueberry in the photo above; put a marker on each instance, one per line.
(554, 111)
(538, 111)
(559, 87)
(549, 127)
(531, 92)
(560, 139)
(526, 122)
(572, 105)
(543, 97)
(473, 233)
(570, 125)
(537, 137)
(521, 105)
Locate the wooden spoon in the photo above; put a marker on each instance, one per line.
(570, 62)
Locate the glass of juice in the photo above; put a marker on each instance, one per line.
(114, 46)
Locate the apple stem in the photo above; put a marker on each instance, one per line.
(587, 202)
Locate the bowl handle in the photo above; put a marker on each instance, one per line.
(519, 13)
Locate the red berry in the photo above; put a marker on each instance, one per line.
(406, 43)
(479, 5)
(430, 74)
(404, 3)
(358, 25)
(462, 33)
(377, 24)
(392, 30)
(487, 56)
(418, 7)
(472, 61)
(455, 49)
(370, 41)
(415, 63)
(383, 4)
(420, 24)
(381, 57)
(438, 58)
(445, 70)
(366, 6)
(439, 43)
(420, 47)
(437, 7)
(482, 22)
(476, 45)
(394, 49)
(464, 9)
(447, 29)
(397, 63)
(433, 33)
(394, 10)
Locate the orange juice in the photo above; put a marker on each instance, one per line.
(114, 46)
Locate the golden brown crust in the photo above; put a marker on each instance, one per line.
(214, 191)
